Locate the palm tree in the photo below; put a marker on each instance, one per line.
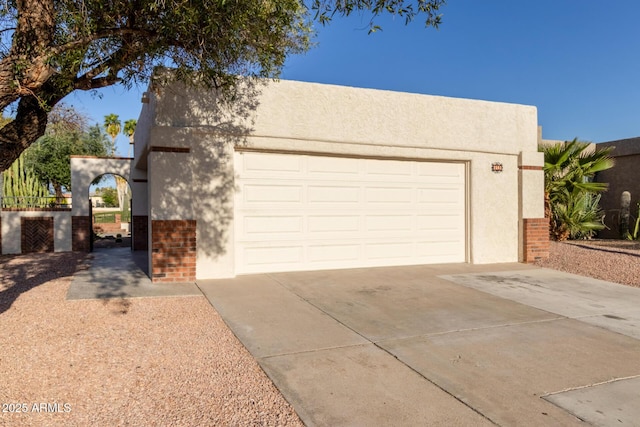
(130, 130)
(571, 196)
(112, 125)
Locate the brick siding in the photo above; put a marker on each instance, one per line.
(173, 250)
(536, 239)
(80, 235)
(36, 234)
(140, 229)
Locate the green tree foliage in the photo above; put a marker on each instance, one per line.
(571, 196)
(49, 157)
(50, 48)
(109, 197)
(96, 141)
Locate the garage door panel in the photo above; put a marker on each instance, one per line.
(333, 168)
(440, 251)
(333, 194)
(319, 224)
(269, 194)
(439, 196)
(389, 251)
(334, 253)
(278, 164)
(273, 254)
(315, 212)
(440, 222)
(441, 172)
(389, 168)
(254, 227)
(389, 195)
(389, 223)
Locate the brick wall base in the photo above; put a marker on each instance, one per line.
(140, 232)
(80, 233)
(173, 250)
(536, 239)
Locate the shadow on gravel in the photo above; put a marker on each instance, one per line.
(21, 273)
(610, 249)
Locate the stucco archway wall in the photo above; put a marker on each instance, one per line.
(84, 170)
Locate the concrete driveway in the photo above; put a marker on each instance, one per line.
(442, 345)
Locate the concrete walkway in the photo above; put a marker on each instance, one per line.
(121, 273)
(442, 345)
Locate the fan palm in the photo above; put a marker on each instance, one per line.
(112, 126)
(570, 193)
(130, 130)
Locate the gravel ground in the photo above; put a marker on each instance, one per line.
(611, 260)
(139, 362)
(161, 361)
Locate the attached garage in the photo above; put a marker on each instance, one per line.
(308, 176)
(306, 212)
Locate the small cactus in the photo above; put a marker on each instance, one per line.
(625, 203)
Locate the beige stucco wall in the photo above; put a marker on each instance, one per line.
(11, 229)
(85, 169)
(313, 118)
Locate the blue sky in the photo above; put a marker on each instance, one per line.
(577, 61)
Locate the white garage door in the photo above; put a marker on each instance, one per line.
(300, 212)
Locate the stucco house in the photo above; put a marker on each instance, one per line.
(304, 176)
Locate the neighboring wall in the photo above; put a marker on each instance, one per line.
(189, 140)
(624, 176)
(13, 229)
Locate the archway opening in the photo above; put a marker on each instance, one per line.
(110, 205)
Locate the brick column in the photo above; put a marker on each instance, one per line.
(173, 250)
(536, 239)
(140, 231)
(81, 233)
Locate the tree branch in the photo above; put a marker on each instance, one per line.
(111, 32)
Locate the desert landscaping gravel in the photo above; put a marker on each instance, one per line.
(137, 362)
(160, 361)
(611, 260)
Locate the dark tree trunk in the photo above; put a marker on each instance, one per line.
(29, 125)
(59, 195)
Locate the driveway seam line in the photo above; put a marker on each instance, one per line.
(503, 325)
(613, 380)
(317, 349)
(387, 352)
(438, 386)
(320, 309)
